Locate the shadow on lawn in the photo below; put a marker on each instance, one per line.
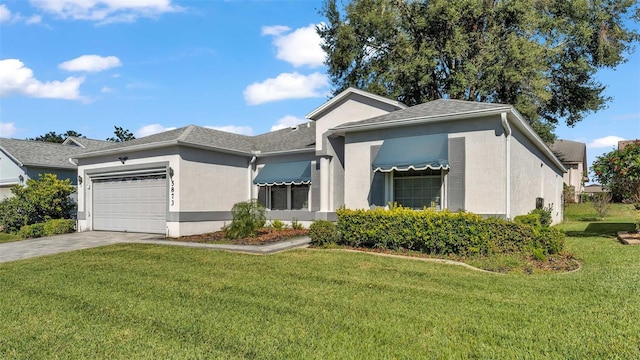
(600, 229)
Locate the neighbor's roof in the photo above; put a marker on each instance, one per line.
(301, 137)
(569, 151)
(82, 142)
(39, 153)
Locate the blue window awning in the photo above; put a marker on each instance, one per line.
(413, 153)
(289, 173)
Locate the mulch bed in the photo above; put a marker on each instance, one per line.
(264, 236)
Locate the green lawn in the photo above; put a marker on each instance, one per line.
(4, 237)
(139, 301)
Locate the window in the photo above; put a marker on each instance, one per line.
(284, 197)
(417, 189)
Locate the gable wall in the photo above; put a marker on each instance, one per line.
(9, 172)
(533, 175)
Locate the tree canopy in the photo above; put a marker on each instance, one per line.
(121, 135)
(540, 56)
(51, 136)
(619, 172)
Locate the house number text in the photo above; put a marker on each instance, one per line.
(172, 193)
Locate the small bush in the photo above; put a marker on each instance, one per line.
(295, 224)
(323, 233)
(277, 224)
(601, 203)
(545, 215)
(32, 231)
(59, 226)
(248, 216)
(529, 219)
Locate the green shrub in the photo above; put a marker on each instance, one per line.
(638, 221)
(323, 233)
(529, 219)
(14, 214)
(295, 224)
(442, 232)
(59, 226)
(545, 215)
(32, 231)
(277, 224)
(248, 216)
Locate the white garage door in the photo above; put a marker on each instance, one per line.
(130, 203)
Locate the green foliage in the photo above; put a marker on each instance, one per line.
(121, 135)
(277, 224)
(540, 56)
(637, 221)
(545, 214)
(49, 228)
(323, 233)
(442, 233)
(40, 200)
(56, 138)
(601, 203)
(619, 172)
(529, 219)
(295, 224)
(248, 216)
(32, 231)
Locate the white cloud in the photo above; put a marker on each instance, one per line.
(106, 11)
(152, 129)
(274, 30)
(5, 13)
(300, 47)
(16, 78)
(106, 90)
(7, 129)
(6, 16)
(286, 86)
(91, 63)
(287, 121)
(242, 130)
(604, 142)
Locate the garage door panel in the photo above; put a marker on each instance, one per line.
(135, 204)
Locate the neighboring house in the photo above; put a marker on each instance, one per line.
(358, 151)
(573, 156)
(622, 144)
(593, 188)
(21, 160)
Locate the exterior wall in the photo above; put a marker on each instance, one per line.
(532, 176)
(573, 177)
(166, 157)
(62, 174)
(9, 172)
(484, 152)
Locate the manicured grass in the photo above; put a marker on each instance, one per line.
(140, 301)
(581, 220)
(4, 237)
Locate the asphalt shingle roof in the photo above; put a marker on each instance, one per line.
(41, 154)
(569, 151)
(438, 107)
(90, 144)
(300, 137)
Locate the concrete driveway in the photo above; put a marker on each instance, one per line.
(25, 249)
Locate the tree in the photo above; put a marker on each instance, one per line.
(51, 136)
(619, 172)
(540, 56)
(121, 135)
(40, 200)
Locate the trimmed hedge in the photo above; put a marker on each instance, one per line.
(323, 233)
(49, 228)
(443, 232)
(531, 219)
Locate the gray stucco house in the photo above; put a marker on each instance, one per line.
(21, 160)
(573, 155)
(358, 150)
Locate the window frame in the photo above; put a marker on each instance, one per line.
(390, 186)
(289, 191)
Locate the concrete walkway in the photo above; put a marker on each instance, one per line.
(25, 249)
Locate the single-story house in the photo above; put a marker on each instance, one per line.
(21, 160)
(573, 155)
(358, 150)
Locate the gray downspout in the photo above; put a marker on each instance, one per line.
(507, 164)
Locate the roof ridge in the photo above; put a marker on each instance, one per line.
(185, 133)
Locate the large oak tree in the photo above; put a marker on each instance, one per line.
(538, 55)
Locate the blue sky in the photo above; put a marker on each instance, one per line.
(241, 66)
